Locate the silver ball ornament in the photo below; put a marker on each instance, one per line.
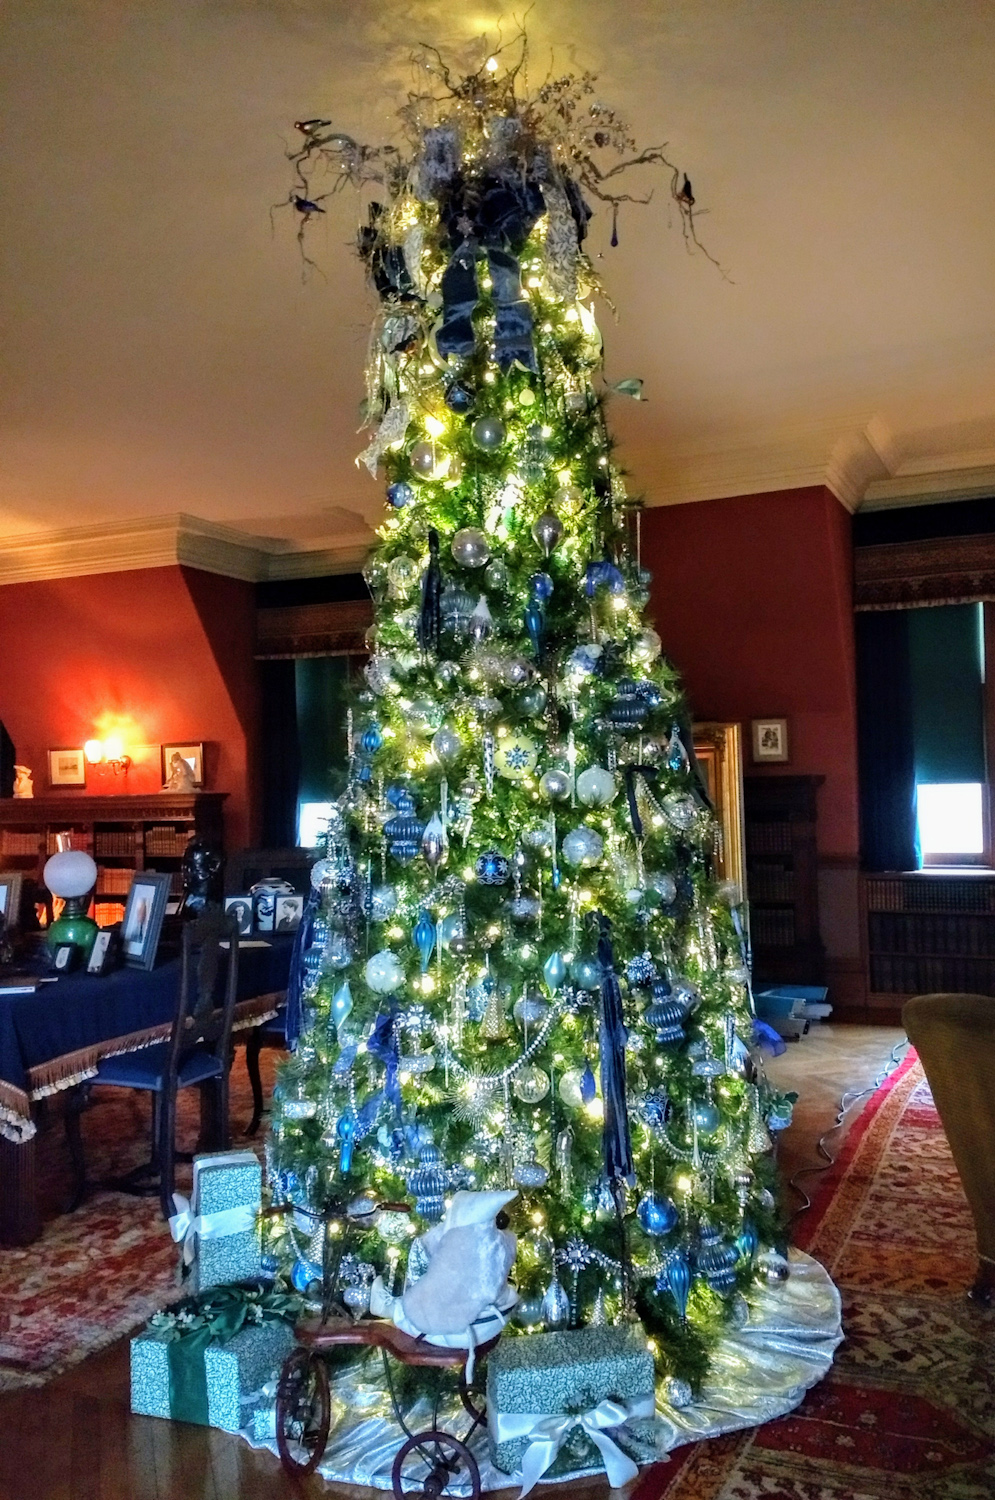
(426, 460)
(488, 433)
(447, 746)
(530, 1084)
(596, 787)
(470, 547)
(582, 847)
(554, 784)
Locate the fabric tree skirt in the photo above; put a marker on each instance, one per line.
(759, 1371)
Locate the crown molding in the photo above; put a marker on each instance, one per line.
(168, 541)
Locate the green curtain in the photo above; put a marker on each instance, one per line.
(321, 726)
(945, 658)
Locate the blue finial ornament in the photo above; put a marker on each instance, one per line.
(423, 936)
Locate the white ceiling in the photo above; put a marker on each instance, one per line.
(160, 353)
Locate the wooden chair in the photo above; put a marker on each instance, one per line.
(198, 1052)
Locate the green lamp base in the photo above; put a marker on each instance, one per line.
(80, 931)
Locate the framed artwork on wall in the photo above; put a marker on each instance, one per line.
(67, 767)
(182, 764)
(143, 914)
(770, 740)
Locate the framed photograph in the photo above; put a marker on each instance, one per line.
(174, 757)
(289, 910)
(104, 951)
(10, 899)
(241, 906)
(770, 739)
(67, 767)
(143, 914)
(65, 958)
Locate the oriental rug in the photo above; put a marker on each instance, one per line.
(100, 1272)
(908, 1410)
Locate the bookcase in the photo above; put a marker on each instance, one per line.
(123, 834)
(930, 933)
(782, 879)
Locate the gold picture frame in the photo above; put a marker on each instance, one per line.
(718, 749)
(67, 767)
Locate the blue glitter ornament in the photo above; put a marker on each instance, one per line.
(423, 937)
(492, 868)
(542, 586)
(657, 1215)
(400, 494)
(305, 1274)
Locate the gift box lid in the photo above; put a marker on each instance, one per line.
(545, 1351)
(226, 1179)
(546, 1372)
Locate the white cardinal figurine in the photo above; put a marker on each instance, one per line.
(463, 1298)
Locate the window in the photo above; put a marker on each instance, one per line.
(312, 819)
(951, 821)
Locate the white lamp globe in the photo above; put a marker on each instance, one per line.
(70, 874)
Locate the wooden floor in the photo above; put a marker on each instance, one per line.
(75, 1439)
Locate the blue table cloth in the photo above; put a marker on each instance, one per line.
(54, 1037)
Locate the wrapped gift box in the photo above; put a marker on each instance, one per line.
(228, 1180)
(570, 1373)
(205, 1382)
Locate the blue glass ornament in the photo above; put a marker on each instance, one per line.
(396, 795)
(346, 1132)
(341, 1004)
(640, 970)
(400, 494)
(371, 739)
(747, 1241)
(586, 971)
(423, 937)
(542, 586)
(458, 398)
(676, 1278)
(706, 1116)
(427, 1182)
(677, 756)
(657, 1215)
(588, 1087)
(364, 772)
(305, 1274)
(554, 970)
(535, 625)
(450, 927)
(716, 1261)
(492, 868)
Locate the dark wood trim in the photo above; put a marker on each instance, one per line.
(937, 570)
(336, 628)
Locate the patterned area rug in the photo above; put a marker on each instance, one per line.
(908, 1412)
(98, 1273)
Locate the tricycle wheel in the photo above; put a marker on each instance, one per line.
(442, 1456)
(303, 1412)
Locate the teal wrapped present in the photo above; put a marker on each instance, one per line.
(563, 1402)
(202, 1361)
(219, 1228)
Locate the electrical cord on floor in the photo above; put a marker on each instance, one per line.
(847, 1101)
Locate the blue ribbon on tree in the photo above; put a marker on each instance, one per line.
(385, 1045)
(295, 980)
(430, 618)
(616, 1139)
(631, 772)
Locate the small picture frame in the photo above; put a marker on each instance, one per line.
(143, 916)
(104, 951)
(289, 910)
(770, 740)
(11, 890)
(241, 908)
(65, 958)
(67, 767)
(193, 755)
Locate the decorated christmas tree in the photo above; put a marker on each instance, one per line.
(517, 969)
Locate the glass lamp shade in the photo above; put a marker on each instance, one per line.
(70, 874)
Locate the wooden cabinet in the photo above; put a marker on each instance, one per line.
(930, 934)
(123, 834)
(782, 876)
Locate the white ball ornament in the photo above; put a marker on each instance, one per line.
(383, 972)
(646, 647)
(596, 787)
(447, 746)
(555, 784)
(582, 847)
(516, 756)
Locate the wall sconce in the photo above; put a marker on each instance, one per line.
(109, 752)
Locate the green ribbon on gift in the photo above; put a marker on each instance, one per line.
(215, 1316)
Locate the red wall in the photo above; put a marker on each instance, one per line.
(156, 654)
(753, 599)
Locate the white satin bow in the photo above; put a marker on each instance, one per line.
(548, 1434)
(186, 1226)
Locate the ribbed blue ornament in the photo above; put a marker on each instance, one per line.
(676, 1279)
(371, 739)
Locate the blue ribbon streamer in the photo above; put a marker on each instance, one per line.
(384, 1044)
(430, 618)
(616, 1139)
(295, 993)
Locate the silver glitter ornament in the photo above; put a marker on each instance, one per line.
(530, 1084)
(582, 847)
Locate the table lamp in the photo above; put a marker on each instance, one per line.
(72, 874)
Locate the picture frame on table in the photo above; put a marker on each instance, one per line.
(770, 741)
(11, 892)
(104, 953)
(145, 908)
(241, 908)
(192, 754)
(67, 767)
(289, 910)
